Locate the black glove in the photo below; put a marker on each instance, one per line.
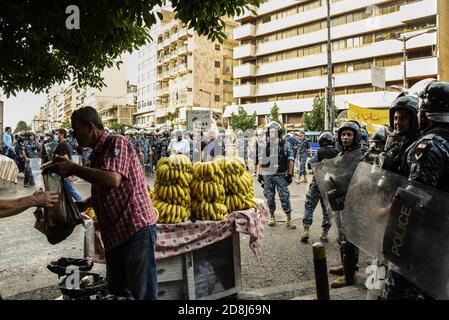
(289, 178)
(260, 178)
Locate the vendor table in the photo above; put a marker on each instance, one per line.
(201, 260)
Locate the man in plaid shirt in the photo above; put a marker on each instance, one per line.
(124, 211)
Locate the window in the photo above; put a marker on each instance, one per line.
(217, 64)
(217, 98)
(217, 47)
(217, 80)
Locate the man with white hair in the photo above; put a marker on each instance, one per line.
(179, 145)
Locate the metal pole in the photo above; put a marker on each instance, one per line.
(328, 122)
(405, 64)
(320, 265)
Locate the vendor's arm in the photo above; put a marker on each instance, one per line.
(11, 207)
(101, 177)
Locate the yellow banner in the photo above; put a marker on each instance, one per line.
(374, 118)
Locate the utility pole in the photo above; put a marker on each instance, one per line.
(328, 112)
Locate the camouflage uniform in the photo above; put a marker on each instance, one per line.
(278, 180)
(313, 196)
(303, 147)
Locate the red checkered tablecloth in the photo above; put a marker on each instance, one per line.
(174, 239)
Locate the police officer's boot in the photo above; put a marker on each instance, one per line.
(305, 235)
(350, 258)
(272, 221)
(289, 223)
(323, 236)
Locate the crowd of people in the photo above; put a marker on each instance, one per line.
(415, 144)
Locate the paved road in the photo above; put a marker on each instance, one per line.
(285, 265)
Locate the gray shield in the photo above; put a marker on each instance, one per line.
(333, 177)
(404, 224)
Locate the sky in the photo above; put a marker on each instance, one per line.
(25, 105)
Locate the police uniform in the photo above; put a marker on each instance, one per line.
(349, 253)
(271, 181)
(278, 179)
(32, 151)
(313, 196)
(303, 147)
(427, 161)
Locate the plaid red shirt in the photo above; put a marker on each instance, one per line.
(124, 210)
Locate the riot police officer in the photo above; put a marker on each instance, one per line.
(30, 151)
(404, 121)
(327, 150)
(276, 169)
(303, 147)
(378, 141)
(349, 140)
(427, 160)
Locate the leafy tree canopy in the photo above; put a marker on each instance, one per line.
(314, 120)
(66, 124)
(38, 50)
(243, 121)
(274, 114)
(21, 126)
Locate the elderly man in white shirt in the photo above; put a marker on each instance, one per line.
(179, 145)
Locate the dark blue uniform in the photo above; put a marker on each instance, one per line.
(428, 162)
(313, 196)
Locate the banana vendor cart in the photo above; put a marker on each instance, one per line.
(200, 260)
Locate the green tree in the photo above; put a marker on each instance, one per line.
(171, 117)
(21, 126)
(314, 120)
(274, 114)
(242, 120)
(66, 124)
(118, 127)
(41, 45)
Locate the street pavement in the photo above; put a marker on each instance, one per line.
(283, 271)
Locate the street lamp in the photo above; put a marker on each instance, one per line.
(404, 40)
(210, 103)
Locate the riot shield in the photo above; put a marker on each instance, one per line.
(35, 165)
(333, 177)
(404, 224)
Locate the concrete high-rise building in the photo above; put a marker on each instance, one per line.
(282, 56)
(181, 71)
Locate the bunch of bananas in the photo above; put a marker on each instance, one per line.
(171, 195)
(208, 192)
(238, 184)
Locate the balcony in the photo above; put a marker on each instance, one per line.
(245, 51)
(184, 33)
(174, 54)
(245, 91)
(245, 32)
(419, 9)
(182, 68)
(244, 71)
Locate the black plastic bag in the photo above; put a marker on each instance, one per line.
(57, 222)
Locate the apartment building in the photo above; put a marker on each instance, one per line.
(282, 56)
(120, 110)
(181, 71)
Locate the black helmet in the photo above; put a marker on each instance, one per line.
(435, 98)
(351, 125)
(407, 102)
(326, 138)
(380, 136)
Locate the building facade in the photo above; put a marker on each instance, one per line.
(282, 56)
(181, 71)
